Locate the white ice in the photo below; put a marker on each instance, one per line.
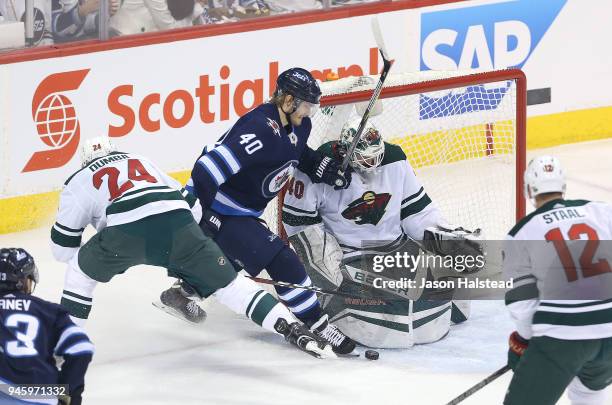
(144, 356)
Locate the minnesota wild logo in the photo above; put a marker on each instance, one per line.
(368, 209)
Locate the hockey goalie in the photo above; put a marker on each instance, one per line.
(385, 210)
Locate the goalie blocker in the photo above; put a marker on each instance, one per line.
(383, 318)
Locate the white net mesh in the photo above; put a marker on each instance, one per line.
(460, 141)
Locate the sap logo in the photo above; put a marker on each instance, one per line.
(490, 36)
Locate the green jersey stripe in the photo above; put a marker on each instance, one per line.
(522, 293)
(140, 191)
(573, 318)
(64, 240)
(248, 310)
(415, 207)
(412, 196)
(76, 309)
(129, 205)
(584, 304)
(81, 297)
(65, 228)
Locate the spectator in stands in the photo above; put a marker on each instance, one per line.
(288, 6)
(138, 16)
(78, 19)
(14, 11)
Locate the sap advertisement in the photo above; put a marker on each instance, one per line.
(168, 99)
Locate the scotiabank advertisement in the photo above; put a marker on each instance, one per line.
(169, 100)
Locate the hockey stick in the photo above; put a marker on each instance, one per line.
(481, 384)
(366, 114)
(317, 289)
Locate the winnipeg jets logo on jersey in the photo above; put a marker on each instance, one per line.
(275, 180)
(274, 125)
(369, 209)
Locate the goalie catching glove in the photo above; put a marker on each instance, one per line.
(454, 242)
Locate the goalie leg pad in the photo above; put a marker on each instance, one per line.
(321, 255)
(460, 311)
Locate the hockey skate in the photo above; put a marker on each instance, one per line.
(340, 343)
(299, 336)
(178, 301)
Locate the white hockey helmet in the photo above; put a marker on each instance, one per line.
(544, 174)
(95, 148)
(370, 149)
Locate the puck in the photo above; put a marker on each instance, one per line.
(371, 355)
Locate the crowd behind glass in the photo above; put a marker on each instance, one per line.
(29, 23)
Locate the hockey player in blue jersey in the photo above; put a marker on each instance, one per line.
(237, 177)
(33, 331)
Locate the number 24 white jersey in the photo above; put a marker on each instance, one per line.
(115, 189)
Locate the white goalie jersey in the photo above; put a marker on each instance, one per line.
(115, 189)
(377, 210)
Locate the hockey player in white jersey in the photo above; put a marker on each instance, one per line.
(560, 259)
(384, 206)
(143, 217)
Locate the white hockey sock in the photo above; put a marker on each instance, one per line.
(244, 296)
(78, 292)
(579, 394)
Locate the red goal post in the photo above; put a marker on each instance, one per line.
(463, 134)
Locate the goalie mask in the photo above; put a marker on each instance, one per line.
(370, 149)
(544, 174)
(95, 148)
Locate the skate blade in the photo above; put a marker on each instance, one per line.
(313, 349)
(175, 313)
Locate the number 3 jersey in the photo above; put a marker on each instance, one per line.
(32, 332)
(377, 209)
(115, 189)
(559, 258)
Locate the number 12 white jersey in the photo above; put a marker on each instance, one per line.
(560, 259)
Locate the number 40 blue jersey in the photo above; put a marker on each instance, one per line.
(32, 332)
(251, 163)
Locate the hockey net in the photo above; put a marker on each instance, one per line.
(463, 134)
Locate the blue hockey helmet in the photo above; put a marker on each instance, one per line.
(16, 266)
(300, 84)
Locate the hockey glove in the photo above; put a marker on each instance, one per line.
(448, 241)
(327, 170)
(517, 345)
(210, 223)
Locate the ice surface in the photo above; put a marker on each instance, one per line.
(144, 356)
